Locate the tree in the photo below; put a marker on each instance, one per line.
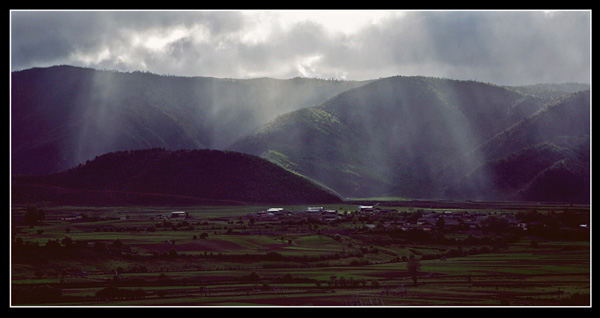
(495, 224)
(413, 265)
(375, 284)
(440, 224)
(332, 281)
(67, 241)
(33, 215)
(117, 244)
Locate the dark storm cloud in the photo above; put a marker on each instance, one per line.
(48, 37)
(505, 47)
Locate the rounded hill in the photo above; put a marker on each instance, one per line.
(159, 176)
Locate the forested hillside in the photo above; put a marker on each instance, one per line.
(160, 176)
(62, 116)
(544, 157)
(412, 137)
(418, 137)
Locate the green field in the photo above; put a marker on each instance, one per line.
(226, 256)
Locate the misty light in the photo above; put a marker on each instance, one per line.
(159, 42)
(91, 58)
(261, 25)
(306, 67)
(343, 21)
(503, 47)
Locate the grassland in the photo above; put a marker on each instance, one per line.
(230, 257)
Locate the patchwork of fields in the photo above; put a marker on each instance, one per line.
(226, 256)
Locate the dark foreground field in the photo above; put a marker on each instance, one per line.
(501, 255)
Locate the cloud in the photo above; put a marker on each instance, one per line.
(504, 47)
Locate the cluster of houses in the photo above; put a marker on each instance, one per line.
(426, 220)
(314, 213)
(451, 219)
(174, 215)
(388, 218)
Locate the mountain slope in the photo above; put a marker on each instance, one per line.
(401, 136)
(62, 116)
(388, 136)
(567, 116)
(414, 137)
(548, 150)
(159, 176)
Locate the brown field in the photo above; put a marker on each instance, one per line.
(230, 257)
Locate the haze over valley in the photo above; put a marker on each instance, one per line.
(410, 137)
(459, 105)
(300, 158)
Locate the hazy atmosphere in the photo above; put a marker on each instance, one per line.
(501, 47)
(323, 158)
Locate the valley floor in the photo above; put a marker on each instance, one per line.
(231, 257)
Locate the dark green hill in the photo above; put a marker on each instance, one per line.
(159, 176)
(402, 136)
(544, 157)
(567, 116)
(62, 116)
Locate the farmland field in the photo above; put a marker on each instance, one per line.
(241, 256)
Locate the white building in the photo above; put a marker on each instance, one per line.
(179, 214)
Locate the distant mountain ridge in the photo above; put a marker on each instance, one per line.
(521, 160)
(421, 137)
(414, 137)
(160, 176)
(62, 116)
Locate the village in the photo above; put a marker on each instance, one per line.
(377, 218)
(382, 218)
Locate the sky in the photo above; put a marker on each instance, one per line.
(501, 47)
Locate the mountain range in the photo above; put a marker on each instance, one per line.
(62, 116)
(411, 137)
(430, 138)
